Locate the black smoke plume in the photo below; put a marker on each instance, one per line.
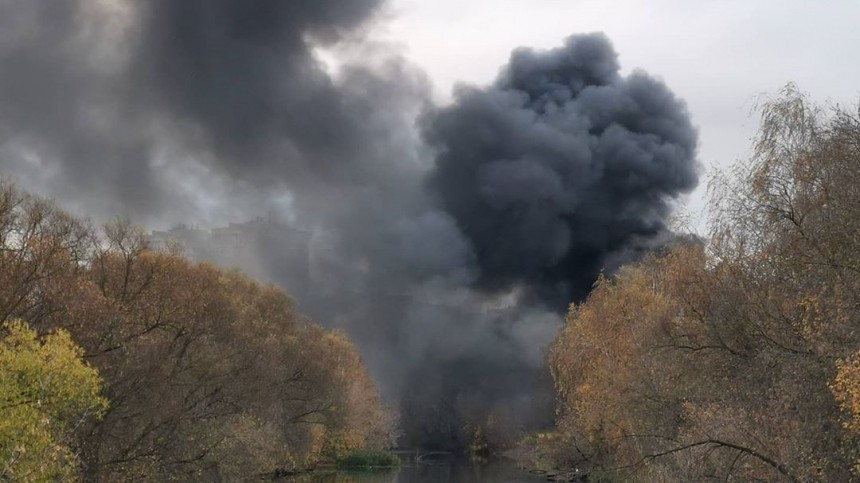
(559, 166)
(451, 276)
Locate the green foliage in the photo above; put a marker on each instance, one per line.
(45, 391)
(369, 460)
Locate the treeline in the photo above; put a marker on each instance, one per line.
(737, 358)
(123, 363)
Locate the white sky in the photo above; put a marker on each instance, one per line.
(719, 56)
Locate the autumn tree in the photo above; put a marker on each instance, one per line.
(209, 375)
(42, 252)
(735, 359)
(46, 391)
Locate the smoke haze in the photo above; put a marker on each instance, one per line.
(447, 240)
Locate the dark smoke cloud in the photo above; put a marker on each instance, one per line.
(213, 111)
(172, 108)
(560, 165)
(243, 76)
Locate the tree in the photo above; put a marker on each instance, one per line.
(210, 375)
(736, 359)
(46, 391)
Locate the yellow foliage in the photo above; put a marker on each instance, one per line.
(597, 361)
(45, 391)
(846, 390)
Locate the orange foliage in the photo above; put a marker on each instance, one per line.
(198, 363)
(737, 358)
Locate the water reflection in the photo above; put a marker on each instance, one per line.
(439, 472)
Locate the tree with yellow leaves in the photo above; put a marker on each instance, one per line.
(46, 390)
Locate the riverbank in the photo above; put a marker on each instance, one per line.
(544, 455)
(414, 469)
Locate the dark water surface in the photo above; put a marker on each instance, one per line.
(499, 471)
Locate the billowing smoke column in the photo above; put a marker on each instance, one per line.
(450, 275)
(560, 166)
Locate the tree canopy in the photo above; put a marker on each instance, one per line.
(207, 374)
(46, 392)
(737, 357)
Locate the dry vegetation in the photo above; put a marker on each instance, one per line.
(734, 359)
(207, 375)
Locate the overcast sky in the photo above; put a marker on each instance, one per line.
(719, 56)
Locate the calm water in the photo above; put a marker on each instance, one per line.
(501, 471)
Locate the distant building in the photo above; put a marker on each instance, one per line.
(189, 238)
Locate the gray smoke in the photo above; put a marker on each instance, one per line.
(559, 166)
(172, 109)
(451, 277)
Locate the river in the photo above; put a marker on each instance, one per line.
(442, 471)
